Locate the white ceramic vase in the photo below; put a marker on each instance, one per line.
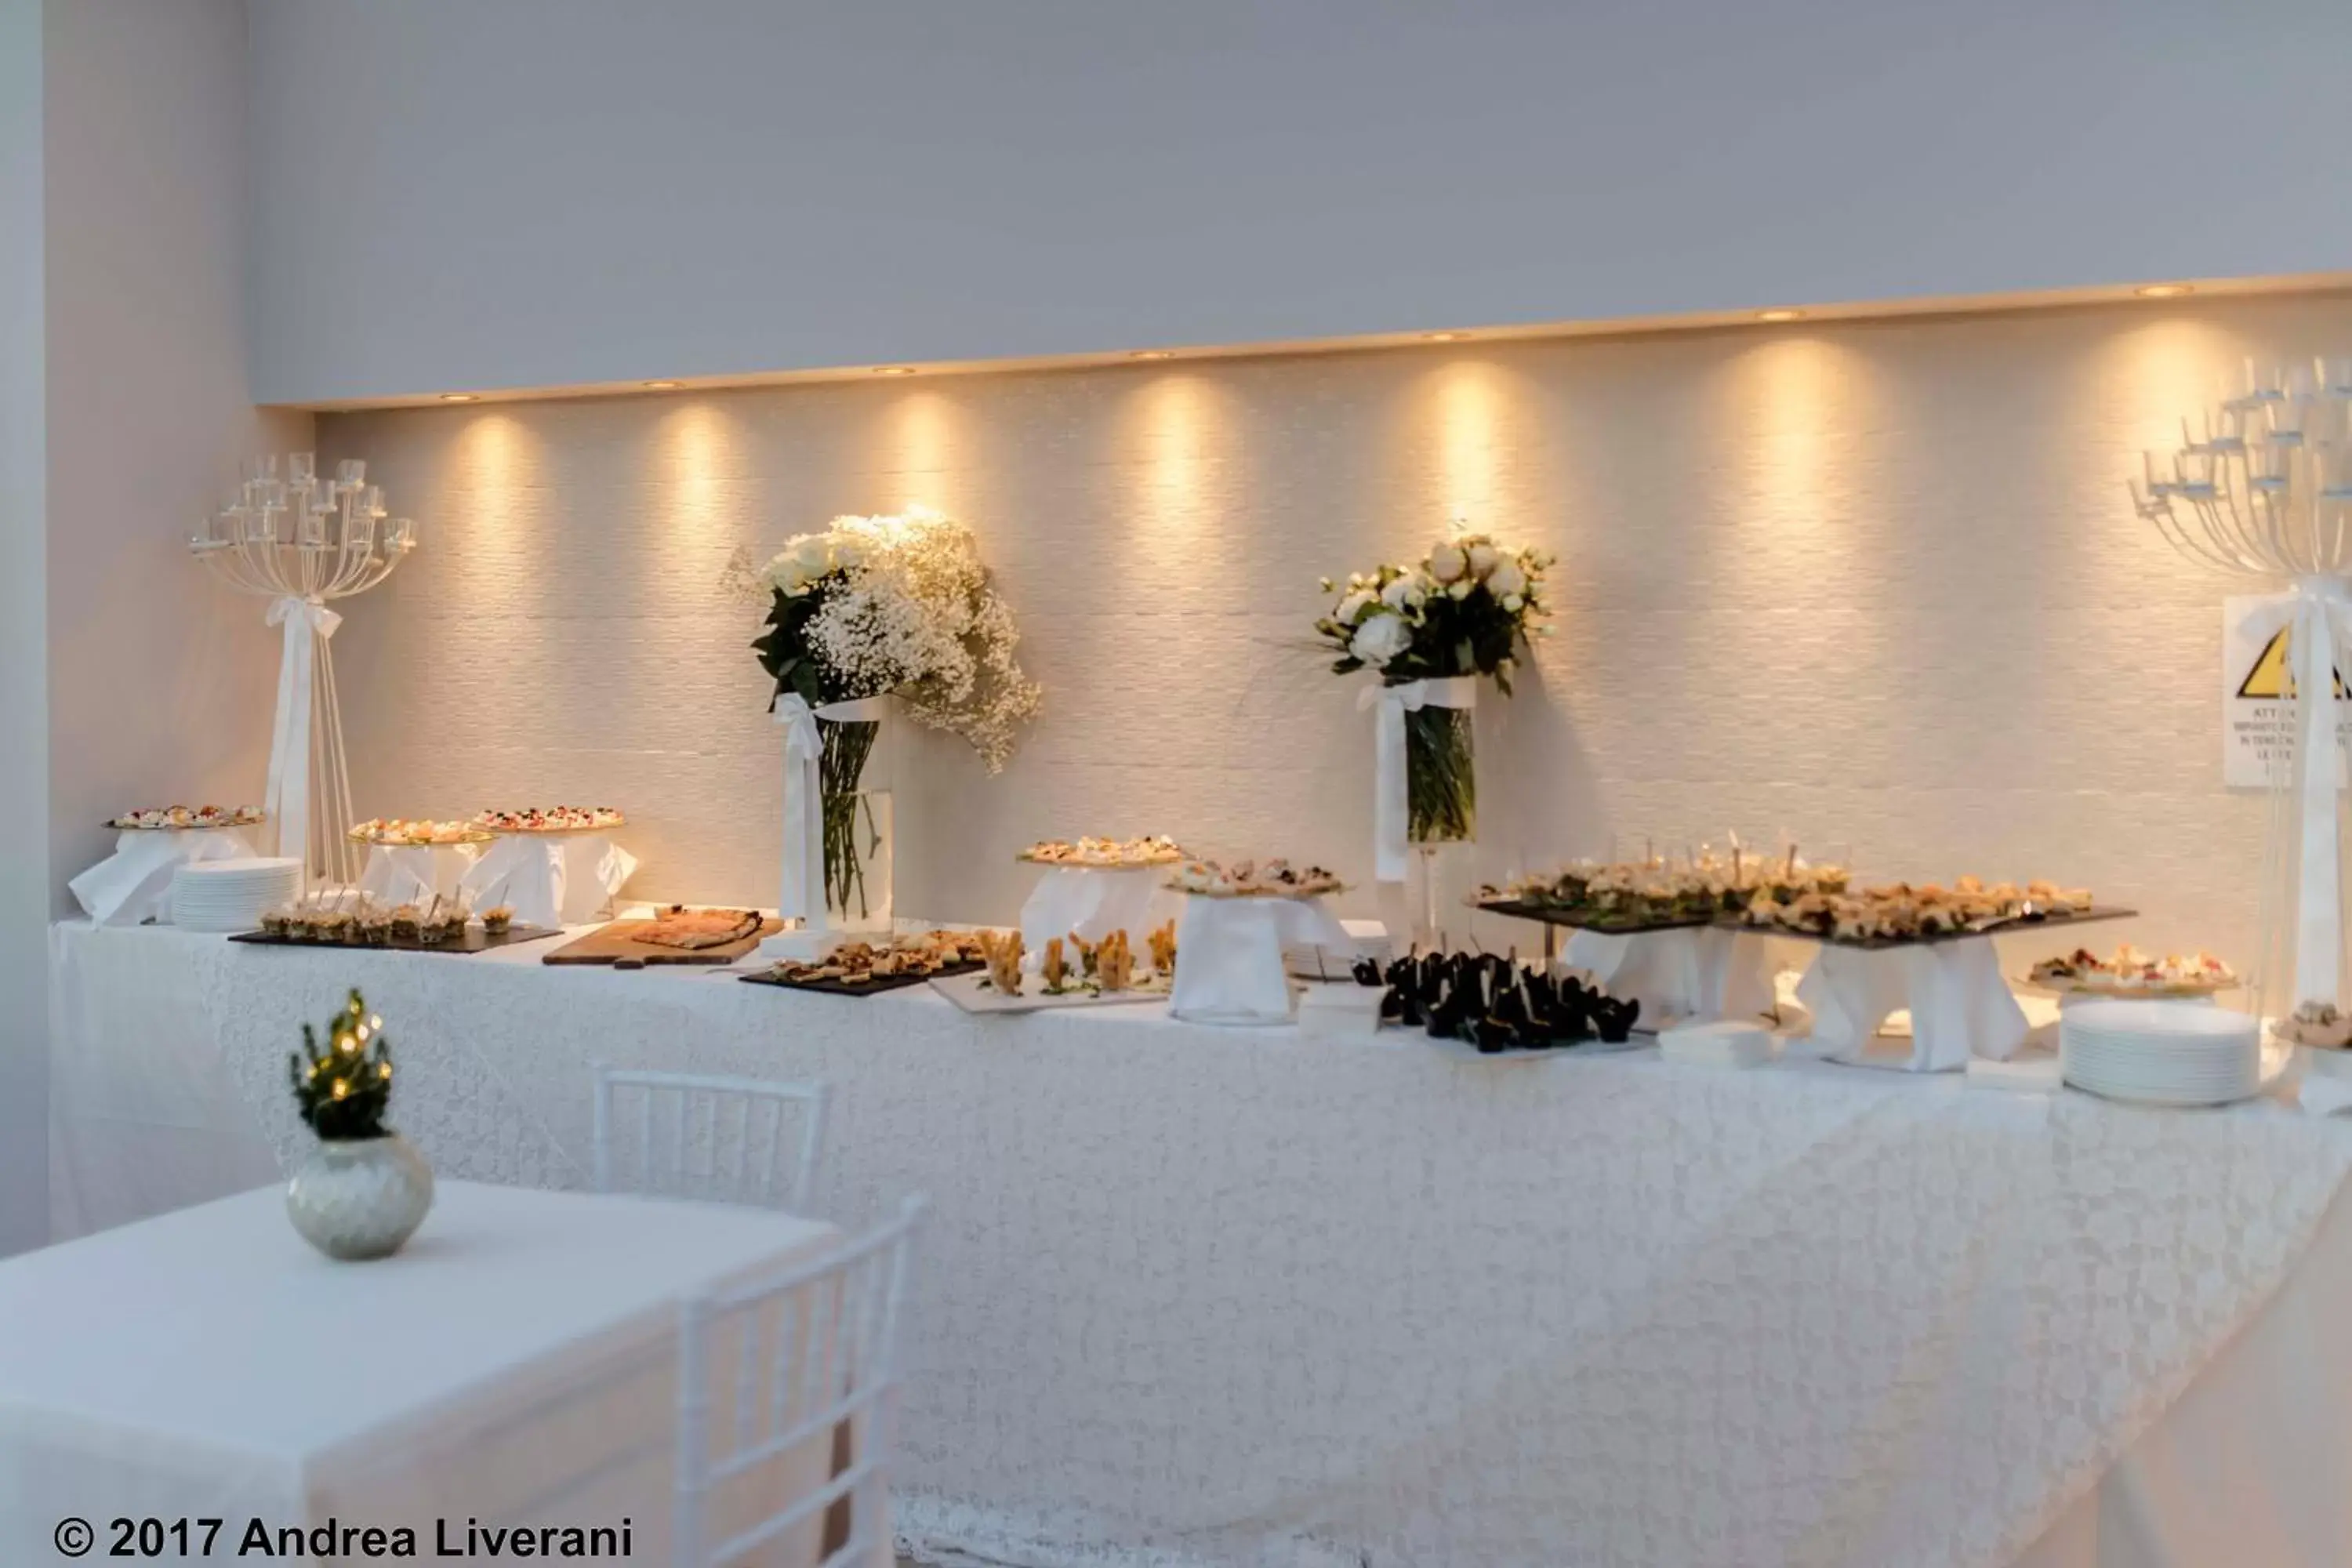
(360, 1199)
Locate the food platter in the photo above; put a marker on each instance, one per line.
(511, 824)
(1601, 921)
(476, 940)
(2009, 926)
(196, 820)
(437, 835)
(873, 986)
(1103, 854)
(974, 993)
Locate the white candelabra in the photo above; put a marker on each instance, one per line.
(303, 541)
(2264, 489)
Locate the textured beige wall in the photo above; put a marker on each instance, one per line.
(1875, 585)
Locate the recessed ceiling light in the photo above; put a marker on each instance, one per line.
(661, 386)
(1153, 354)
(458, 397)
(2163, 290)
(1780, 313)
(1443, 337)
(894, 370)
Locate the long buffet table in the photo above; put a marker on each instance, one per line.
(1289, 1296)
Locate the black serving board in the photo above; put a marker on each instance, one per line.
(863, 987)
(475, 941)
(1578, 919)
(2047, 923)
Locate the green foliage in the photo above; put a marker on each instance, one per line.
(344, 1091)
(788, 657)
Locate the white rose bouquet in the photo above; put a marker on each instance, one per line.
(898, 606)
(1466, 609)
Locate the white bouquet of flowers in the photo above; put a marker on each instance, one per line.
(893, 605)
(1429, 630)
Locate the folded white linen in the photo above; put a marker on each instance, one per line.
(1699, 973)
(1961, 1005)
(1229, 967)
(136, 882)
(1092, 901)
(549, 879)
(416, 873)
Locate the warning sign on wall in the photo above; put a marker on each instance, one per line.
(2258, 690)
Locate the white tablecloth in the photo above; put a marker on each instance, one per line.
(209, 1364)
(1239, 1295)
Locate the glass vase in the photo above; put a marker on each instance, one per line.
(858, 837)
(1440, 776)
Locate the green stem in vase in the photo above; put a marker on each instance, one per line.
(1441, 775)
(840, 763)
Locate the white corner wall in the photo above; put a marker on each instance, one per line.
(159, 681)
(1878, 586)
(475, 193)
(25, 887)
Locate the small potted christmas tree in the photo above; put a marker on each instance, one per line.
(364, 1190)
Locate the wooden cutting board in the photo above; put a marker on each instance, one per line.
(616, 944)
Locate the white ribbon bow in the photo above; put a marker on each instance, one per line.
(802, 896)
(308, 622)
(1392, 807)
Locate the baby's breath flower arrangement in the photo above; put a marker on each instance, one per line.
(899, 606)
(1466, 608)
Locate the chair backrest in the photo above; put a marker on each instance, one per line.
(787, 1399)
(723, 1139)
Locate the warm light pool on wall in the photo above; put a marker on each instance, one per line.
(1780, 313)
(894, 370)
(661, 386)
(1443, 337)
(460, 397)
(2163, 290)
(1153, 354)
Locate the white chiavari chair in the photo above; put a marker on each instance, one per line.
(716, 1139)
(786, 1396)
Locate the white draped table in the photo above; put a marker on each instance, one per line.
(1253, 1296)
(208, 1365)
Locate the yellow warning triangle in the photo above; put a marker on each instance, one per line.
(2274, 673)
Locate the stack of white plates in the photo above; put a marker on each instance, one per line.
(2161, 1053)
(232, 895)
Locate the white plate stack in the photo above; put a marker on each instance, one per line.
(2161, 1053)
(232, 895)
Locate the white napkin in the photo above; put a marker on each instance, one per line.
(549, 879)
(1093, 901)
(416, 873)
(136, 882)
(1697, 973)
(2325, 1080)
(1961, 1007)
(1229, 967)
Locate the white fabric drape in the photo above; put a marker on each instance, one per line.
(1229, 963)
(1701, 972)
(416, 873)
(550, 878)
(1092, 901)
(1960, 1004)
(134, 883)
(524, 1343)
(307, 623)
(1270, 1295)
(802, 892)
(1392, 806)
